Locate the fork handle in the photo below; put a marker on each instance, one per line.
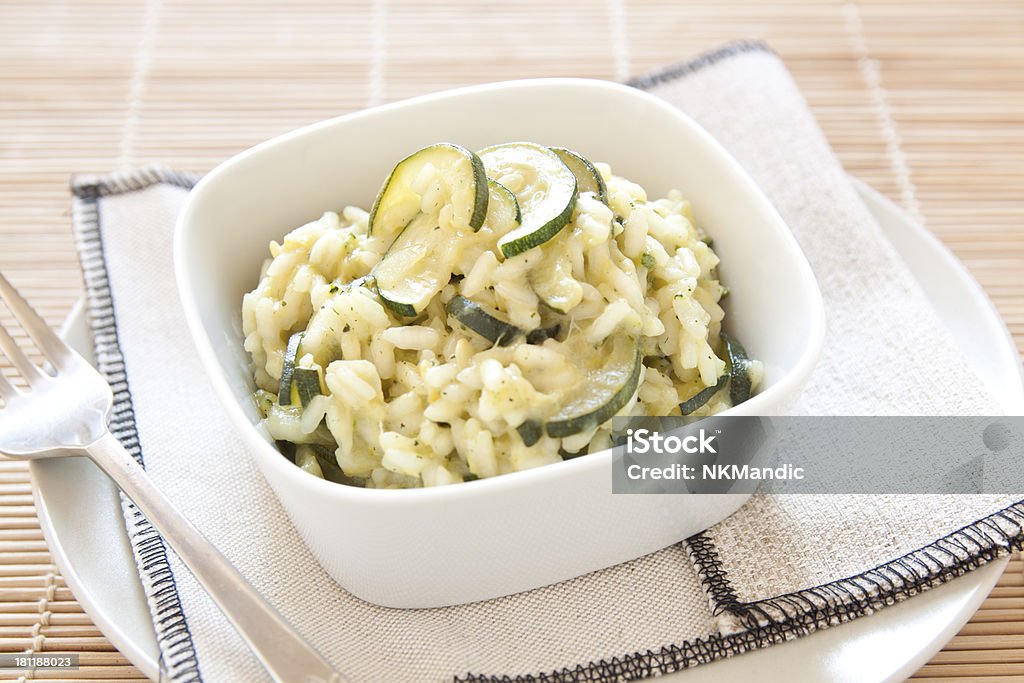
(286, 655)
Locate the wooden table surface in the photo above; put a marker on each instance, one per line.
(924, 100)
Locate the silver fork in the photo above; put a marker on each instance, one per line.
(66, 414)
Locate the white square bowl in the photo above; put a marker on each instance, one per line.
(492, 537)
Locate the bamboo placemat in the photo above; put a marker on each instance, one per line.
(923, 100)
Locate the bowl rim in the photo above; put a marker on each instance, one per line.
(279, 466)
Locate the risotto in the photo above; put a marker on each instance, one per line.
(491, 313)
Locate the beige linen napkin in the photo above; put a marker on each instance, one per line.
(778, 568)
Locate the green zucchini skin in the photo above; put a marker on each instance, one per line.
(507, 197)
(530, 432)
(737, 376)
(482, 193)
(539, 221)
(307, 382)
(328, 462)
(588, 178)
(306, 460)
(700, 399)
(514, 247)
(485, 323)
(739, 366)
(489, 325)
(324, 460)
(284, 393)
(287, 449)
(398, 308)
(538, 335)
(562, 426)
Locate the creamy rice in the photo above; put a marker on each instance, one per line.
(424, 402)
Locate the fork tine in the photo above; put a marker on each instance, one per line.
(21, 362)
(45, 338)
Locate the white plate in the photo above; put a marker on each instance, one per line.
(80, 514)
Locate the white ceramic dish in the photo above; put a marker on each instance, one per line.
(493, 537)
(81, 517)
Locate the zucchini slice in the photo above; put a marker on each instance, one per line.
(320, 461)
(412, 272)
(328, 463)
(739, 370)
(287, 419)
(608, 385)
(490, 325)
(287, 449)
(291, 357)
(305, 385)
(298, 385)
(546, 196)
(462, 171)
(305, 458)
(538, 335)
(503, 212)
(700, 399)
(530, 432)
(588, 178)
(485, 322)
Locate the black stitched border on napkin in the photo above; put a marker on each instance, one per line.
(757, 624)
(177, 651)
